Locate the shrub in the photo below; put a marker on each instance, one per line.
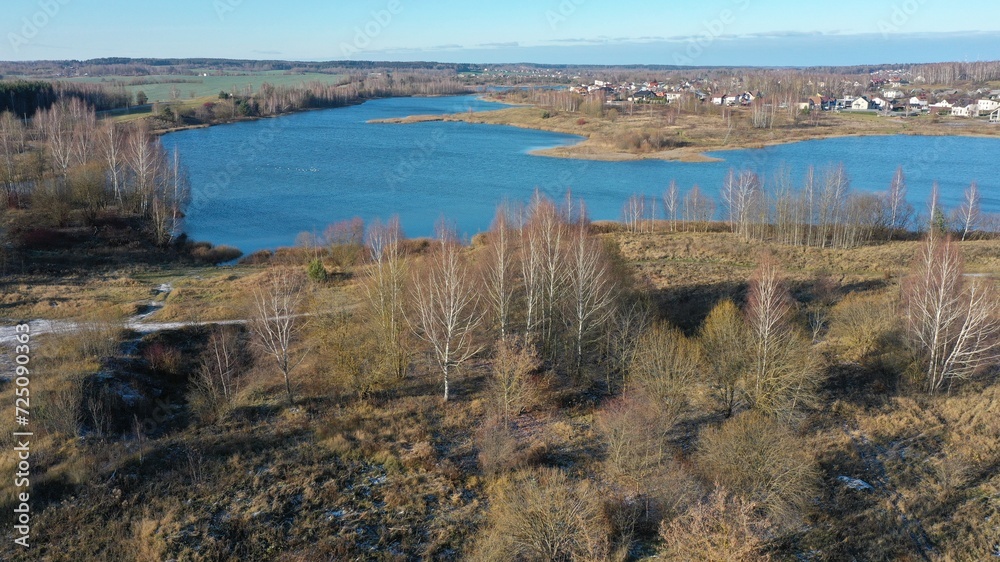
(863, 325)
(543, 515)
(666, 367)
(497, 448)
(316, 271)
(511, 388)
(214, 255)
(724, 343)
(260, 257)
(220, 377)
(163, 358)
(720, 529)
(760, 460)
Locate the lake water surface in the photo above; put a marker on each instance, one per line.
(257, 184)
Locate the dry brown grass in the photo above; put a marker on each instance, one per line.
(396, 474)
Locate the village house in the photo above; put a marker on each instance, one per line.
(918, 104)
(861, 103)
(642, 96)
(822, 103)
(970, 110)
(987, 106)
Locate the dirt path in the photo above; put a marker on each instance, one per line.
(138, 323)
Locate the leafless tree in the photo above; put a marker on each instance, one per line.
(145, 161)
(968, 212)
(511, 386)
(220, 374)
(671, 204)
(112, 143)
(896, 198)
(499, 272)
(444, 300)
(12, 144)
(84, 123)
(698, 209)
(935, 214)
(385, 289)
(723, 339)
(276, 321)
(57, 127)
(548, 232)
(953, 325)
(743, 196)
(591, 289)
(169, 198)
(836, 186)
(781, 370)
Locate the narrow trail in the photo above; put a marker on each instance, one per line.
(139, 324)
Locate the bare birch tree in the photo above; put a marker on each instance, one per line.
(276, 321)
(953, 326)
(781, 372)
(499, 272)
(220, 373)
(896, 199)
(145, 159)
(671, 204)
(444, 300)
(12, 144)
(968, 212)
(547, 225)
(591, 289)
(385, 289)
(112, 142)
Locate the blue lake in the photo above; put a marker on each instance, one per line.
(258, 184)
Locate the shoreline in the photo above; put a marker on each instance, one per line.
(352, 103)
(589, 148)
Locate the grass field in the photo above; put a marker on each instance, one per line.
(202, 86)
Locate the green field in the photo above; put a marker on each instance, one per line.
(191, 86)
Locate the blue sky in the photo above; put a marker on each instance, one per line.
(708, 32)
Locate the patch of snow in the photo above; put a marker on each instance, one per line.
(855, 484)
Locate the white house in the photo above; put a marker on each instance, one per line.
(943, 104)
(918, 103)
(860, 103)
(960, 111)
(879, 102)
(987, 106)
(892, 94)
